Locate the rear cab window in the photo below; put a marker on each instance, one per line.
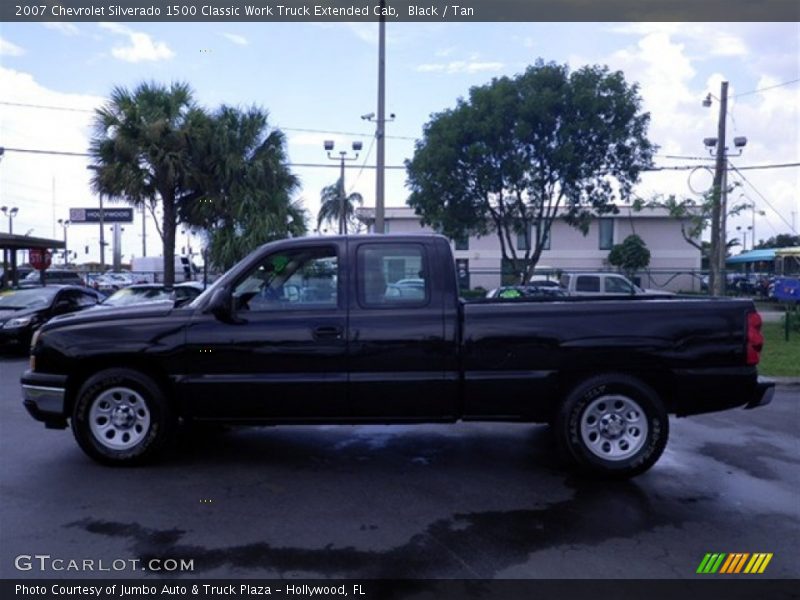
(391, 275)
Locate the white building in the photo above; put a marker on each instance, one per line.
(674, 264)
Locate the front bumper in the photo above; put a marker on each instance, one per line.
(44, 396)
(765, 390)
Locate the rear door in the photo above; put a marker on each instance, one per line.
(401, 356)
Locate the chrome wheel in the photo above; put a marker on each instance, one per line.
(119, 418)
(614, 427)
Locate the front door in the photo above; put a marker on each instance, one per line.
(283, 355)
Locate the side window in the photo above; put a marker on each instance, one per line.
(587, 283)
(84, 299)
(617, 285)
(301, 279)
(392, 275)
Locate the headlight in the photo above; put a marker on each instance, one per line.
(36, 335)
(18, 322)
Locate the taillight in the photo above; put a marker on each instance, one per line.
(755, 340)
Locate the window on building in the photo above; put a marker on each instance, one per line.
(606, 227)
(461, 243)
(539, 231)
(524, 240)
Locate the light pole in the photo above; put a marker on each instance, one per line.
(10, 255)
(744, 231)
(752, 206)
(10, 213)
(96, 168)
(328, 144)
(64, 224)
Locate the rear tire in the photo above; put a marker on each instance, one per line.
(612, 425)
(122, 418)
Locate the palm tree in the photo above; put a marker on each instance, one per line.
(141, 153)
(330, 209)
(241, 167)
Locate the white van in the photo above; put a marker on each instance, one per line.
(151, 269)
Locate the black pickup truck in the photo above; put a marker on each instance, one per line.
(370, 329)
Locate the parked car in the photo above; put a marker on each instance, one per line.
(5, 276)
(602, 284)
(148, 293)
(24, 310)
(52, 276)
(605, 372)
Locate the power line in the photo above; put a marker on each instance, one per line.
(755, 189)
(301, 129)
(764, 89)
(85, 154)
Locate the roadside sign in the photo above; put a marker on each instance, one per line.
(92, 215)
(39, 258)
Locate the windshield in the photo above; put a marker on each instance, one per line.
(128, 296)
(27, 298)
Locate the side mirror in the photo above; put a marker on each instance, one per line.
(220, 304)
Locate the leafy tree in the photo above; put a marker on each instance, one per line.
(782, 240)
(330, 210)
(522, 151)
(141, 153)
(240, 166)
(630, 256)
(694, 217)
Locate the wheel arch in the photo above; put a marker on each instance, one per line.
(142, 364)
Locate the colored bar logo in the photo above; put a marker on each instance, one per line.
(734, 563)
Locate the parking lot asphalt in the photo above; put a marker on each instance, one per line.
(470, 500)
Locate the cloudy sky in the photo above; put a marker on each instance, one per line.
(316, 80)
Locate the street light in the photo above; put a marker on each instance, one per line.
(329, 145)
(10, 213)
(744, 231)
(64, 224)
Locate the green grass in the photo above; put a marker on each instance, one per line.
(779, 357)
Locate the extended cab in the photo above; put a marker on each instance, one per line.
(314, 330)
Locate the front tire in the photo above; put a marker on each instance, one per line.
(613, 425)
(121, 418)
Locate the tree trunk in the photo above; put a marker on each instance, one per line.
(169, 227)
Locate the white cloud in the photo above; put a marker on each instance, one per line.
(44, 187)
(141, 46)
(236, 39)
(62, 27)
(460, 66)
(9, 49)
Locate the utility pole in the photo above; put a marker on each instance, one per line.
(717, 259)
(379, 130)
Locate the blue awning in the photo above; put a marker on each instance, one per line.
(767, 254)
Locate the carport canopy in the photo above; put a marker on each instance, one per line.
(754, 256)
(13, 242)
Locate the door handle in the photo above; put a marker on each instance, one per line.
(328, 332)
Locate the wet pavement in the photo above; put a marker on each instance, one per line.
(432, 501)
